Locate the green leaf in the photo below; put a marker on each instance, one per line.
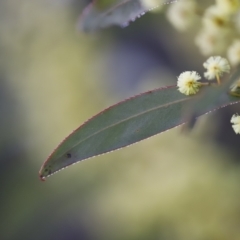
(125, 123)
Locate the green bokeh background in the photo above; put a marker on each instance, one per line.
(173, 186)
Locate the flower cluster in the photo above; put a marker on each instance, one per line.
(218, 35)
(219, 22)
(188, 82)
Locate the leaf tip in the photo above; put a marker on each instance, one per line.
(45, 171)
(41, 176)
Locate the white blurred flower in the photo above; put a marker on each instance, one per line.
(212, 42)
(216, 66)
(235, 120)
(228, 6)
(153, 4)
(234, 53)
(214, 18)
(182, 14)
(188, 82)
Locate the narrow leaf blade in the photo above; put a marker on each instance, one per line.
(125, 123)
(94, 18)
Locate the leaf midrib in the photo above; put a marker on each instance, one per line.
(133, 116)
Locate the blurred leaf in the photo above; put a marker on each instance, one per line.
(104, 13)
(101, 14)
(126, 123)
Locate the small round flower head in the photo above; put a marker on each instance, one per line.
(215, 19)
(235, 120)
(182, 14)
(216, 66)
(228, 6)
(188, 82)
(234, 53)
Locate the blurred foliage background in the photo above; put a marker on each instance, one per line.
(173, 186)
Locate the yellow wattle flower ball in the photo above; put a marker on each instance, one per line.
(188, 82)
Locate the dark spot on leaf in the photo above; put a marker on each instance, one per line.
(69, 155)
(49, 171)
